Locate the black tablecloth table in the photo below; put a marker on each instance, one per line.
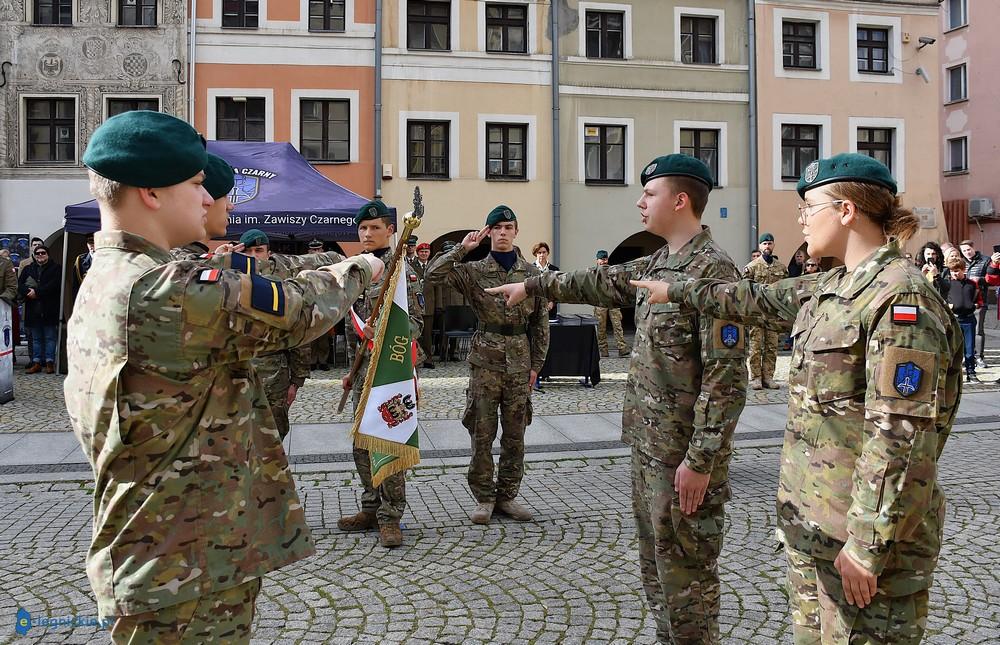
(573, 349)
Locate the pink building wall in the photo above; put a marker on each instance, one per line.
(976, 45)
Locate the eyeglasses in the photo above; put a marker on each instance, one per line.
(805, 208)
(37, 253)
(811, 264)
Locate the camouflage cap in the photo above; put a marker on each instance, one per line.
(146, 149)
(500, 214)
(372, 210)
(602, 255)
(254, 237)
(678, 165)
(219, 177)
(848, 166)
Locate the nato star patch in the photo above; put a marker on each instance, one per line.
(907, 378)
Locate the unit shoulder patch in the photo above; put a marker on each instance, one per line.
(905, 314)
(909, 374)
(267, 295)
(727, 335)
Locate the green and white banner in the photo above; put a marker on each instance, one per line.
(386, 420)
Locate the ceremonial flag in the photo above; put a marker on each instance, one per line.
(385, 423)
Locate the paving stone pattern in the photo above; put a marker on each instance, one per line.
(569, 577)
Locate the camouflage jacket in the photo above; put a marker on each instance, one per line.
(760, 271)
(875, 383)
(516, 354)
(8, 281)
(366, 302)
(192, 251)
(288, 367)
(192, 488)
(687, 378)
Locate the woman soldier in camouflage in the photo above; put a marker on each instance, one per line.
(874, 386)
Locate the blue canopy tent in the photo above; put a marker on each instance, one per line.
(277, 191)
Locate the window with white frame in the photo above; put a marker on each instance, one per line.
(137, 13)
(427, 149)
(958, 155)
(428, 25)
(881, 138)
(877, 144)
(800, 145)
(604, 153)
(506, 150)
(958, 87)
(50, 130)
(605, 34)
(241, 14)
(507, 28)
(958, 13)
(698, 35)
(703, 144)
(801, 44)
(873, 50)
(52, 12)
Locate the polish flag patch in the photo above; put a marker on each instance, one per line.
(209, 275)
(904, 314)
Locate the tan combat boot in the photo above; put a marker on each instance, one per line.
(363, 521)
(770, 385)
(390, 535)
(756, 384)
(513, 510)
(482, 514)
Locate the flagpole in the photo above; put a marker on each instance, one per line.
(411, 221)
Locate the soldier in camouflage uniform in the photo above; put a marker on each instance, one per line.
(508, 351)
(686, 388)
(319, 349)
(381, 507)
(419, 266)
(284, 372)
(615, 314)
(193, 498)
(875, 383)
(763, 351)
(219, 180)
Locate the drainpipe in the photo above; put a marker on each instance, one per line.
(556, 151)
(191, 66)
(752, 114)
(378, 99)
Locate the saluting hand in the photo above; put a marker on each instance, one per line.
(657, 290)
(229, 247)
(859, 584)
(473, 238)
(513, 293)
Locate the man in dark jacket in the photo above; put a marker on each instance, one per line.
(39, 287)
(976, 269)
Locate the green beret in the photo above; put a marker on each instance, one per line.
(315, 244)
(848, 166)
(219, 177)
(678, 165)
(411, 241)
(500, 214)
(146, 149)
(765, 237)
(372, 210)
(254, 237)
(602, 255)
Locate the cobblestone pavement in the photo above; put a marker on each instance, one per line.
(40, 407)
(569, 577)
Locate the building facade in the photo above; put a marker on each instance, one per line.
(66, 66)
(639, 80)
(970, 131)
(842, 76)
(467, 114)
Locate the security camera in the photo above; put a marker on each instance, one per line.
(924, 41)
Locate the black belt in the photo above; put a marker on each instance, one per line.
(505, 329)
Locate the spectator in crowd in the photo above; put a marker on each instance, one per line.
(796, 266)
(541, 252)
(82, 264)
(976, 264)
(15, 307)
(39, 287)
(811, 266)
(930, 260)
(965, 298)
(35, 243)
(753, 256)
(993, 273)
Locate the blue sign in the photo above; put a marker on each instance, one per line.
(723, 212)
(245, 189)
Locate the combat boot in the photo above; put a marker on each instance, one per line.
(624, 353)
(390, 535)
(482, 514)
(513, 510)
(363, 521)
(769, 385)
(756, 384)
(604, 353)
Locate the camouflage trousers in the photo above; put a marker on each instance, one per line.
(279, 408)
(319, 350)
(222, 617)
(762, 353)
(822, 615)
(490, 390)
(388, 501)
(678, 554)
(602, 314)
